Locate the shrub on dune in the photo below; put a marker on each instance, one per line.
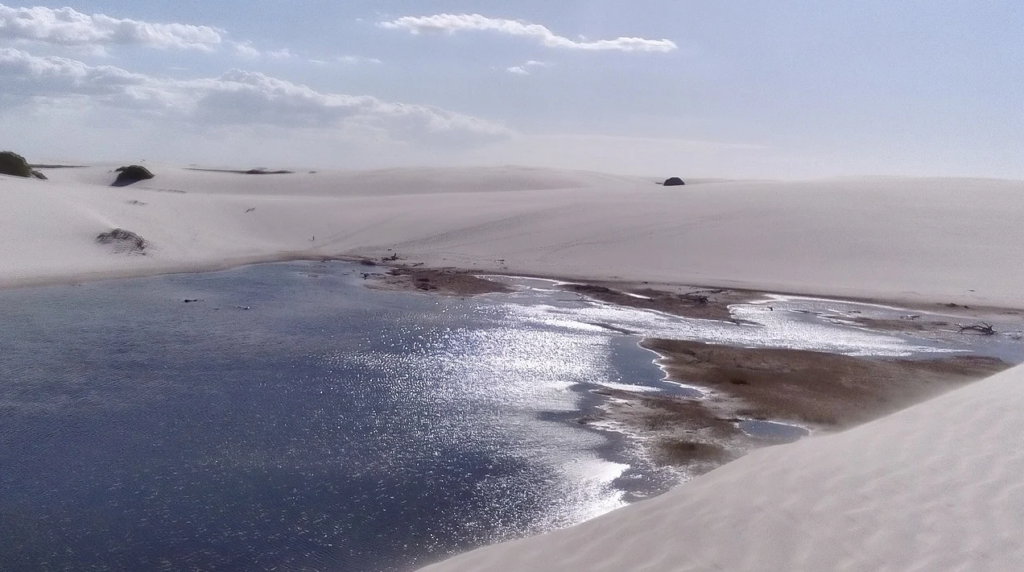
(14, 164)
(132, 174)
(123, 241)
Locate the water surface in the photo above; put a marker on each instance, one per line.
(288, 418)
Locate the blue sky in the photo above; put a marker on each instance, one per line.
(712, 88)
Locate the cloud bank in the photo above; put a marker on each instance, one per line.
(68, 27)
(452, 23)
(235, 98)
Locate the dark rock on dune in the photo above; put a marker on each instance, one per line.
(14, 164)
(674, 182)
(132, 174)
(123, 240)
(39, 175)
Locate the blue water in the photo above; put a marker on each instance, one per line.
(291, 419)
(773, 430)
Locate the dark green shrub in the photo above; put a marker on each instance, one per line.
(123, 240)
(674, 182)
(132, 174)
(14, 164)
(261, 171)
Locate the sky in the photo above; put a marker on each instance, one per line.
(710, 88)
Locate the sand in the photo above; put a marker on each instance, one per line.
(938, 486)
(934, 240)
(818, 392)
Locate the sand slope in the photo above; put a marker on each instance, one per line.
(916, 239)
(939, 486)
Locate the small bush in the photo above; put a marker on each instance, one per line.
(262, 171)
(674, 182)
(132, 174)
(123, 240)
(14, 164)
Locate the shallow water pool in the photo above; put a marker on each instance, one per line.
(285, 417)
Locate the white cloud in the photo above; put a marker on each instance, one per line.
(235, 98)
(67, 27)
(282, 54)
(356, 60)
(452, 23)
(524, 69)
(93, 34)
(25, 77)
(246, 50)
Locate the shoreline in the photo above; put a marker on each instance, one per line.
(801, 393)
(675, 298)
(697, 434)
(672, 291)
(696, 437)
(181, 268)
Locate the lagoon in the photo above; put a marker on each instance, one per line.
(286, 417)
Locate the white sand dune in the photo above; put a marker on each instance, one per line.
(937, 487)
(910, 239)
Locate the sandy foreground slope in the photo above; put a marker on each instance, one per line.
(939, 486)
(946, 240)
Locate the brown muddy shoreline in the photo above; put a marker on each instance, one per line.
(820, 392)
(688, 301)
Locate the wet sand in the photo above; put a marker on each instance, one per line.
(685, 301)
(701, 303)
(443, 281)
(826, 390)
(818, 391)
